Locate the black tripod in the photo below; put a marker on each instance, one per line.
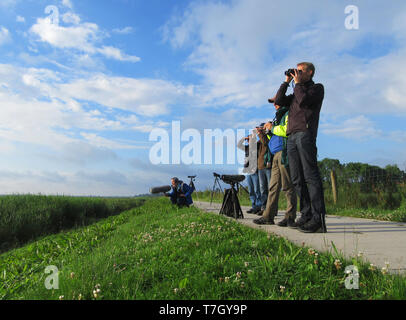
(216, 180)
(192, 185)
(231, 205)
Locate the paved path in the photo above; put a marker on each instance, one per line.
(378, 241)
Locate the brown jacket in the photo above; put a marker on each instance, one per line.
(263, 147)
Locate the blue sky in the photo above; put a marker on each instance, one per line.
(80, 95)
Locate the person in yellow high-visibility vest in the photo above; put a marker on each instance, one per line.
(280, 177)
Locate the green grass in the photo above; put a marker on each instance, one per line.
(157, 251)
(24, 218)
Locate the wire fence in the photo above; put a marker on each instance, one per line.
(353, 185)
(368, 187)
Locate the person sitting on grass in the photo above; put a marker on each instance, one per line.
(181, 193)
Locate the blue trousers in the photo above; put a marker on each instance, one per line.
(264, 179)
(254, 189)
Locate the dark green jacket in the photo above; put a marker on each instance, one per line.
(279, 128)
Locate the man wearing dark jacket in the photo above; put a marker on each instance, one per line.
(304, 112)
(181, 193)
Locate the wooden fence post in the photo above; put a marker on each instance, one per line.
(334, 185)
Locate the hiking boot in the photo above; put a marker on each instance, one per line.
(260, 212)
(287, 222)
(250, 210)
(262, 220)
(299, 222)
(313, 226)
(256, 210)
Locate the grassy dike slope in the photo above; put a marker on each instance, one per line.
(157, 251)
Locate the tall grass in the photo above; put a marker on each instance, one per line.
(27, 217)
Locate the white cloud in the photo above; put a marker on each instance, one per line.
(100, 142)
(357, 128)
(77, 37)
(240, 50)
(126, 30)
(41, 107)
(89, 182)
(67, 3)
(70, 17)
(148, 127)
(62, 37)
(20, 19)
(147, 97)
(81, 37)
(8, 3)
(4, 35)
(114, 53)
(32, 113)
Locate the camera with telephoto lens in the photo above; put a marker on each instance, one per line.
(292, 71)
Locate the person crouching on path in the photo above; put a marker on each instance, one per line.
(181, 193)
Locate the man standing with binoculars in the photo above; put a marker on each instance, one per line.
(304, 112)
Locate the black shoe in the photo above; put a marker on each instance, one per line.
(250, 210)
(260, 212)
(286, 222)
(313, 227)
(299, 223)
(256, 210)
(262, 220)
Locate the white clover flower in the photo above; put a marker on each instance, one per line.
(337, 264)
(311, 251)
(282, 289)
(61, 297)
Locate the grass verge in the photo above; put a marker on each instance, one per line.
(157, 251)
